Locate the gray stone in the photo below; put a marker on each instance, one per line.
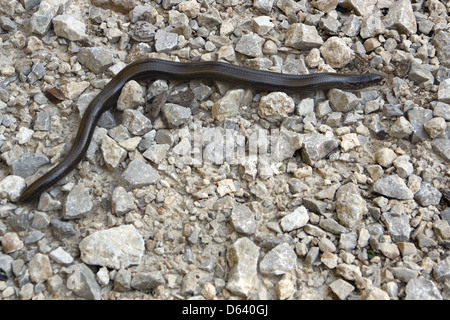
(37, 72)
(167, 4)
(422, 289)
(243, 220)
(40, 220)
(286, 145)
(136, 122)
(444, 91)
(332, 226)
(62, 229)
(371, 26)
(442, 148)
(290, 8)
(419, 73)
(417, 117)
(348, 241)
(342, 101)
(425, 26)
(398, 226)
(442, 110)
(330, 25)
(143, 31)
(13, 186)
(40, 21)
(442, 43)
(43, 121)
(190, 284)
(121, 201)
(312, 256)
(316, 146)
(303, 37)
(28, 164)
(446, 214)
(228, 105)
(404, 274)
(349, 205)
(278, 261)
(156, 153)
(210, 18)
(427, 195)
(296, 185)
(78, 203)
(122, 280)
(314, 205)
(69, 27)
(361, 7)
(441, 271)
(119, 133)
(425, 242)
(139, 174)
(96, 59)
(116, 248)
(175, 115)
(113, 154)
(263, 6)
(262, 25)
(33, 237)
(392, 186)
(341, 288)
(147, 280)
(404, 166)
(83, 282)
(6, 263)
(165, 41)
(294, 220)
(61, 256)
(250, 45)
(30, 4)
(351, 26)
(401, 16)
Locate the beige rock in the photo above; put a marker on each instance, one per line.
(131, 96)
(40, 268)
(385, 157)
(325, 5)
(11, 242)
(242, 257)
(435, 127)
(285, 287)
(341, 288)
(303, 37)
(336, 52)
(275, 106)
(374, 294)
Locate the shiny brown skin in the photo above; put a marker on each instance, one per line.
(160, 69)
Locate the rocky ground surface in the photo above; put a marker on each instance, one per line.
(351, 204)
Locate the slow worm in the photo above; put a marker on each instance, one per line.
(160, 69)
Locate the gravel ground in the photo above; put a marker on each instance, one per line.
(351, 202)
